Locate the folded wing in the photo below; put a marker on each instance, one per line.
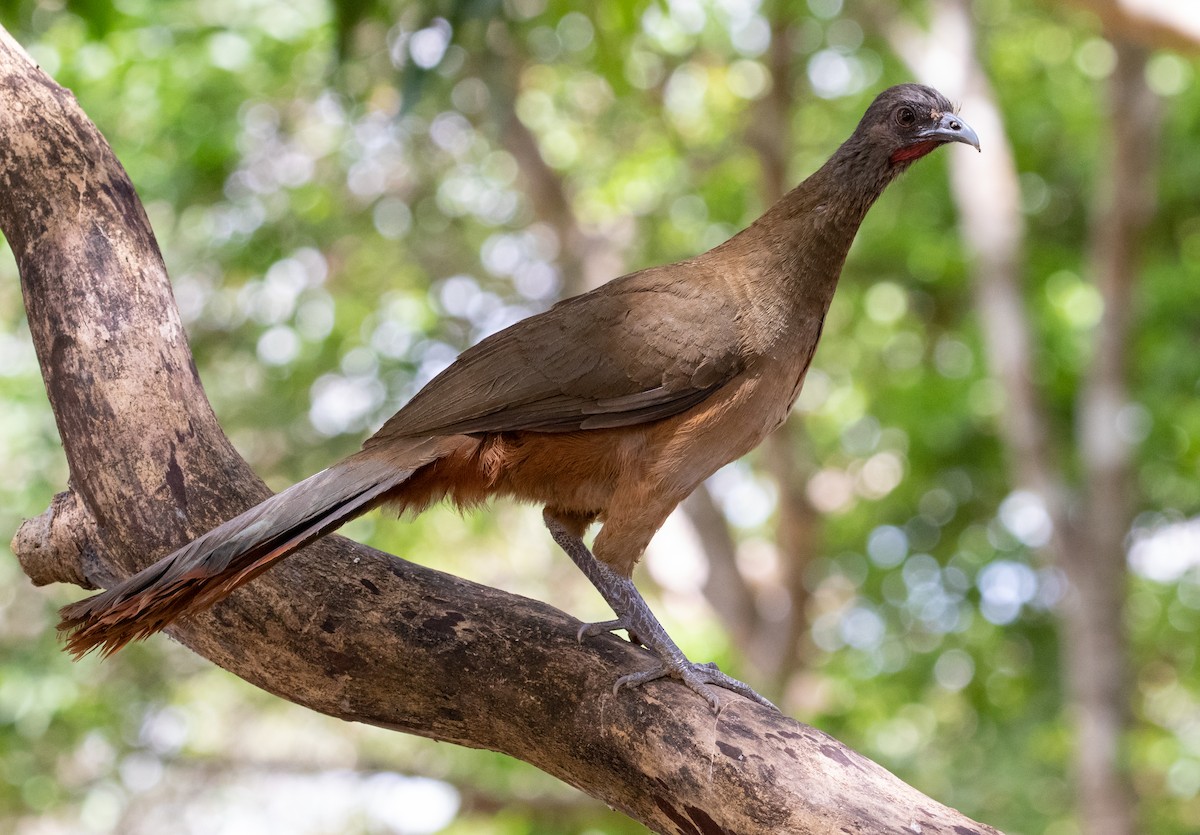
(638, 350)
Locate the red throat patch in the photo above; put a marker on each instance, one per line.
(914, 151)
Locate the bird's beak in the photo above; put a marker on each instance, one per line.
(950, 128)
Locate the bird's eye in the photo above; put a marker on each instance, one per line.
(906, 117)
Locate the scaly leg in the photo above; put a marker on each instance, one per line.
(634, 616)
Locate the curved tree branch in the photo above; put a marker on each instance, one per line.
(341, 628)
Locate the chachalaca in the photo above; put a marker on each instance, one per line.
(611, 406)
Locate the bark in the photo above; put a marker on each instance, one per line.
(340, 628)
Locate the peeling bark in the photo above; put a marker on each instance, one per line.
(340, 628)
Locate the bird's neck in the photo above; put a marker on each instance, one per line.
(798, 246)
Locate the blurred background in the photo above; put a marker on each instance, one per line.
(972, 554)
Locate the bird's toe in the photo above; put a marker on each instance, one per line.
(699, 678)
(591, 630)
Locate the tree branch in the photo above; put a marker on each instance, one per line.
(587, 258)
(1155, 24)
(63, 529)
(339, 628)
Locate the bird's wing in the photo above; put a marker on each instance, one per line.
(638, 349)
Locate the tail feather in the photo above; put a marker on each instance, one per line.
(210, 567)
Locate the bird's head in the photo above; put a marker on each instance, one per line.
(909, 120)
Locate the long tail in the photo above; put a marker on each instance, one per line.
(210, 567)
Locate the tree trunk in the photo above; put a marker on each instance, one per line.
(340, 628)
(1091, 522)
(1097, 658)
(798, 526)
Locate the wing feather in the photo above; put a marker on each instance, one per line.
(638, 349)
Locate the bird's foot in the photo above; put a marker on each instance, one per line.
(700, 678)
(635, 617)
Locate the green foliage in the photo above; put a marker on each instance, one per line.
(340, 213)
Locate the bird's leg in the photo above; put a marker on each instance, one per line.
(634, 616)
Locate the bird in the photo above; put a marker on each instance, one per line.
(611, 406)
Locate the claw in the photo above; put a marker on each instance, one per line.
(591, 630)
(699, 678)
